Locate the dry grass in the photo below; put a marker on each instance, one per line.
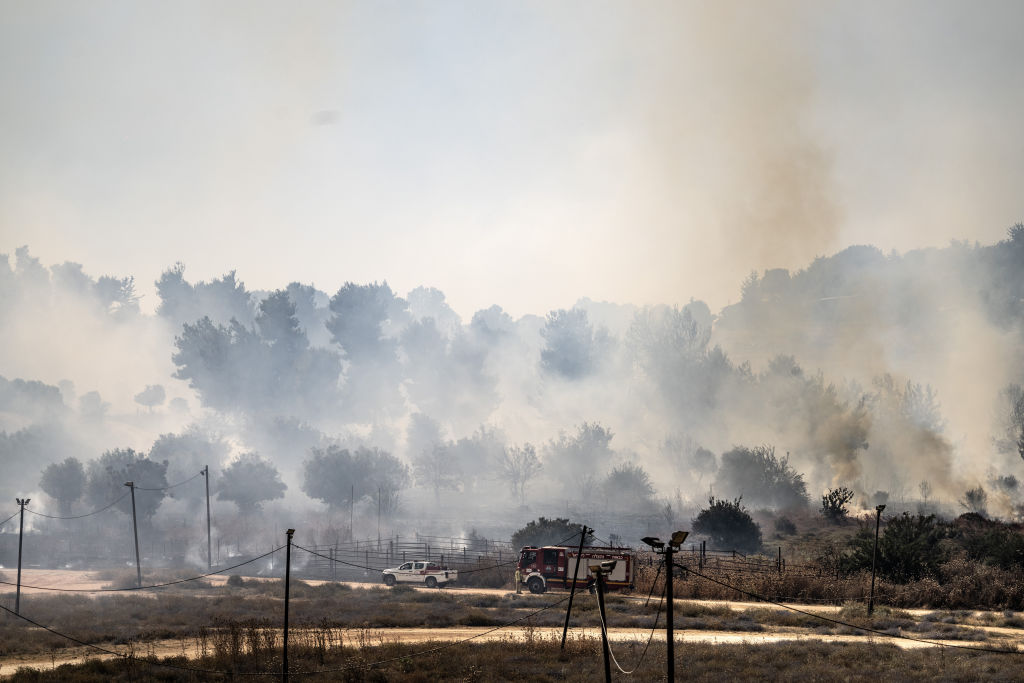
(538, 659)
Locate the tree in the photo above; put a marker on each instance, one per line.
(517, 466)
(975, 500)
(250, 481)
(728, 525)
(574, 458)
(107, 475)
(265, 367)
(909, 549)
(476, 455)
(438, 469)
(572, 348)
(221, 300)
(834, 502)
(150, 397)
(670, 346)
(364, 321)
(687, 456)
(628, 486)
(64, 482)
(334, 475)
(543, 531)
(186, 454)
(762, 477)
(92, 407)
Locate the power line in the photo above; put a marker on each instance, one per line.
(156, 585)
(369, 665)
(334, 559)
(11, 517)
(171, 486)
(380, 569)
(132, 658)
(604, 628)
(112, 504)
(854, 626)
(88, 514)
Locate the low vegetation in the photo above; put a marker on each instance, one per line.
(359, 657)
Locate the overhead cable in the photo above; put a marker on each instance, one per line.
(88, 514)
(898, 636)
(142, 588)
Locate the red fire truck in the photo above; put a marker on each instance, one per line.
(557, 566)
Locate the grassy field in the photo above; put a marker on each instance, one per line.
(542, 660)
(236, 628)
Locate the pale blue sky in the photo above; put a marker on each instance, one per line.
(524, 154)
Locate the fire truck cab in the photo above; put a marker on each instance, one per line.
(557, 566)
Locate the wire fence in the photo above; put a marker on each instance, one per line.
(363, 561)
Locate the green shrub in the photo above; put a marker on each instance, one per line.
(728, 525)
(909, 549)
(545, 531)
(784, 526)
(833, 504)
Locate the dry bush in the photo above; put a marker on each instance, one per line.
(521, 656)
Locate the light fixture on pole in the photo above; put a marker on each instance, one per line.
(669, 549)
(600, 571)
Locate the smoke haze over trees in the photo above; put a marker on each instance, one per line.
(888, 374)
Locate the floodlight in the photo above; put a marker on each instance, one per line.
(129, 483)
(879, 508)
(654, 542)
(608, 565)
(678, 537)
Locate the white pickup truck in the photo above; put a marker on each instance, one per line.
(430, 574)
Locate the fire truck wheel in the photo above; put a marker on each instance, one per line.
(389, 580)
(431, 582)
(535, 584)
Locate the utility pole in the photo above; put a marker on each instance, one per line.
(351, 510)
(378, 519)
(209, 545)
(668, 550)
(670, 634)
(21, 532)
(874, 556)
(287, 585)
(572, 591)
(135, 529)
(599, 571)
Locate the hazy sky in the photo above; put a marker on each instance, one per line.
(505, 152)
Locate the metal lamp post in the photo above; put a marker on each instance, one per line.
(600, 571)
(668, 550)
(874, 557)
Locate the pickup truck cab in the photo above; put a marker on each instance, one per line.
(430, 574)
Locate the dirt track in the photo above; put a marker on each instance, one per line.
(79, 580)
